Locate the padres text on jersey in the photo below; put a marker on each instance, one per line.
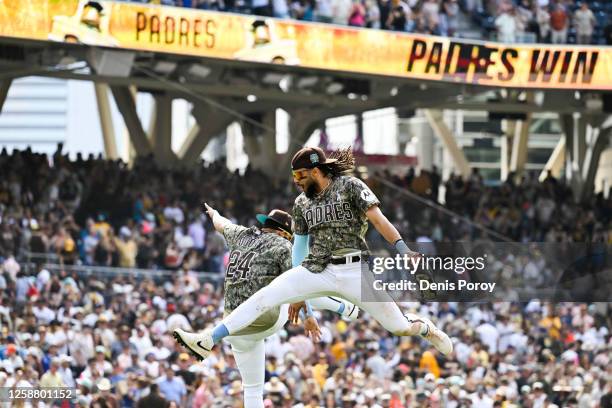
(335, 219)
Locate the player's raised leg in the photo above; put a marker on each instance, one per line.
(353, 280)
(294, 285)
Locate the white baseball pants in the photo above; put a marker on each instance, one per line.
(250, 356)
(299, 284)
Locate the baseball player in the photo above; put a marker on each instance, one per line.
(257, 256)
(331, 218)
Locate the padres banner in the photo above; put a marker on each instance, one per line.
(377, 52)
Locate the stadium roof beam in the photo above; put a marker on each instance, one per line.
(260, 142)
(436, 121)
(127, 107)
(520, 140)
(161, 130)
(210, 121)
(218, 90)
(567, 126)
(600, 140)
(557, 101)
(5, 85)
(586, 137)
(106, 121)
(555, 161)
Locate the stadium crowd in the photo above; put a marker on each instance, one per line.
(108, 334)
(545, 21)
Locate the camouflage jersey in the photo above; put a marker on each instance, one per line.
(335, 220)
(255, 259)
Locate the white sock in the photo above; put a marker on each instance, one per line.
(253, 396)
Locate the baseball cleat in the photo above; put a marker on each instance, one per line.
(199, 344)
(350, 312)
(435, 336)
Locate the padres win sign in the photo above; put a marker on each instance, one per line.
(376, 52)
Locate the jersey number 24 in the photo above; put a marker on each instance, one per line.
(239, 265)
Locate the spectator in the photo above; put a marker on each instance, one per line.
(53, 377)
(215, 248)
(384, 7)
(39, 243)
(431, 13)
(357, 15)
(525, 19)
(506, 26)
(173, 388)
(372, 14)
(450, 15)
(558, 25)
(308, 11)
(341, 10)
(104, 398)
(324, 11)
(126, 247)
(261, 8)
(397, 19)
(153, 399)
(608, 32)
(66, 372)
(543, 20)
(584, 21)
(281, 8)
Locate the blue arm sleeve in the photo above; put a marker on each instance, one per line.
(300, 249)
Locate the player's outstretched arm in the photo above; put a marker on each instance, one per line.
(388, 231)
(382, 224)
(219, 221)
(298, 254)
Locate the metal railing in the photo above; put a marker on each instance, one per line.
(52, 263)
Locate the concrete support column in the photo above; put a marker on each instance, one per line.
(441, 130)
(106, 121)
(586, 137)
(127, 106)
(425, 149)
(161, 137)
(302, 123)
(210, 122)
(590, 164)
(520, 141)
(5, 85)
(260, 142)
(603, 177)
(555, 161)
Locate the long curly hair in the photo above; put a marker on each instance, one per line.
(344, 165)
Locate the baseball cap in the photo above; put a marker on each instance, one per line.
(10, 349)
(309, 158)
(276, 219)
(95, 5)
(104, 384)
(125, 232)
